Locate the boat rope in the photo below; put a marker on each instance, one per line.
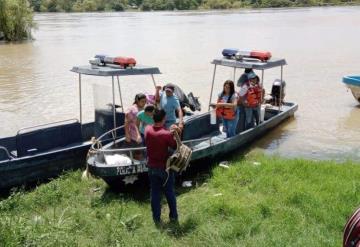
(97, 145)
(180, 159)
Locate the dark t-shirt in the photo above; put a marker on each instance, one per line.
(158, 140)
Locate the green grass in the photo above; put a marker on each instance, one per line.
(259, 200)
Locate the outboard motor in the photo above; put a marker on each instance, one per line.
(194, 102)
(277, 91)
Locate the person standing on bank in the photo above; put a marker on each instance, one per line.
(158, 140)
(170, 104)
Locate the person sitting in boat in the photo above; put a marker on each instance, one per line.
(226, 108)
(170, 104)
(144, 118)
(132, 133)
(251, 95)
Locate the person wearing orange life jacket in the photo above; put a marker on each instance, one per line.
(243, 79)
(251, 92)
(226, 108)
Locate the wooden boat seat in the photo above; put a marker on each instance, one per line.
(198, 127)
(45, 139)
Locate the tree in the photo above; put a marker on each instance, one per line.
(16, 19)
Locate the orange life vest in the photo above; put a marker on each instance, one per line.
(224, 112)
(253, 96)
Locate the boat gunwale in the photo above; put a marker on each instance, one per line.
(101, 165)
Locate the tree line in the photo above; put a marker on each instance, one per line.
(147, 5)
(16, 16)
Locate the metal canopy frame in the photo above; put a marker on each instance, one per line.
(113, 71)
(248, 64)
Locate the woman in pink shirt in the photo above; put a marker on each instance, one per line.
(132, 133)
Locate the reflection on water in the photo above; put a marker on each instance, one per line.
(319, 44)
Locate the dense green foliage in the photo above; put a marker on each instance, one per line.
(259, 199)
(146, 5)
(16, 19)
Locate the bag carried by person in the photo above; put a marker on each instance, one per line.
(180, 159)
(352, 230)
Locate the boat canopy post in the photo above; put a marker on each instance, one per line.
(234, 74)
(212, 86)
(80, 98)
(281, 87)
(153, 79)
(262, 85)
(121, 102)
(114, 110)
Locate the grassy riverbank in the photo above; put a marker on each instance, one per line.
(259, 199)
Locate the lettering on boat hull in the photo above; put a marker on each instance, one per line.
(133, 169)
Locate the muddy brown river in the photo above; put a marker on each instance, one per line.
(320, 45)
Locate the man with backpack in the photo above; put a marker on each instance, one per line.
(158, 140)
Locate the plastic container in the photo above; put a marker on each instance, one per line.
(262, 114)
(213, 116)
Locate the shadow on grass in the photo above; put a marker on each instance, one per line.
(178, 230)
(25, 188)
(139, 192)
(33, 185)
(198, 173)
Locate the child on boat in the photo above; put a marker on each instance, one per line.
(226, 108)
(144, 118)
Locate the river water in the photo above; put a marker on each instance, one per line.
(320, 45)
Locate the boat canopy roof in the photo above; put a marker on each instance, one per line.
(250, 63)
(112, 71)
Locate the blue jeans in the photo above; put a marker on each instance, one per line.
(252, 114)
(168, 123)
(230, 125)
(157, 179)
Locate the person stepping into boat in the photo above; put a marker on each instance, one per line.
(158, 140)
(226, 108)
(132, 133)
(250, 93)
(170, 104)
